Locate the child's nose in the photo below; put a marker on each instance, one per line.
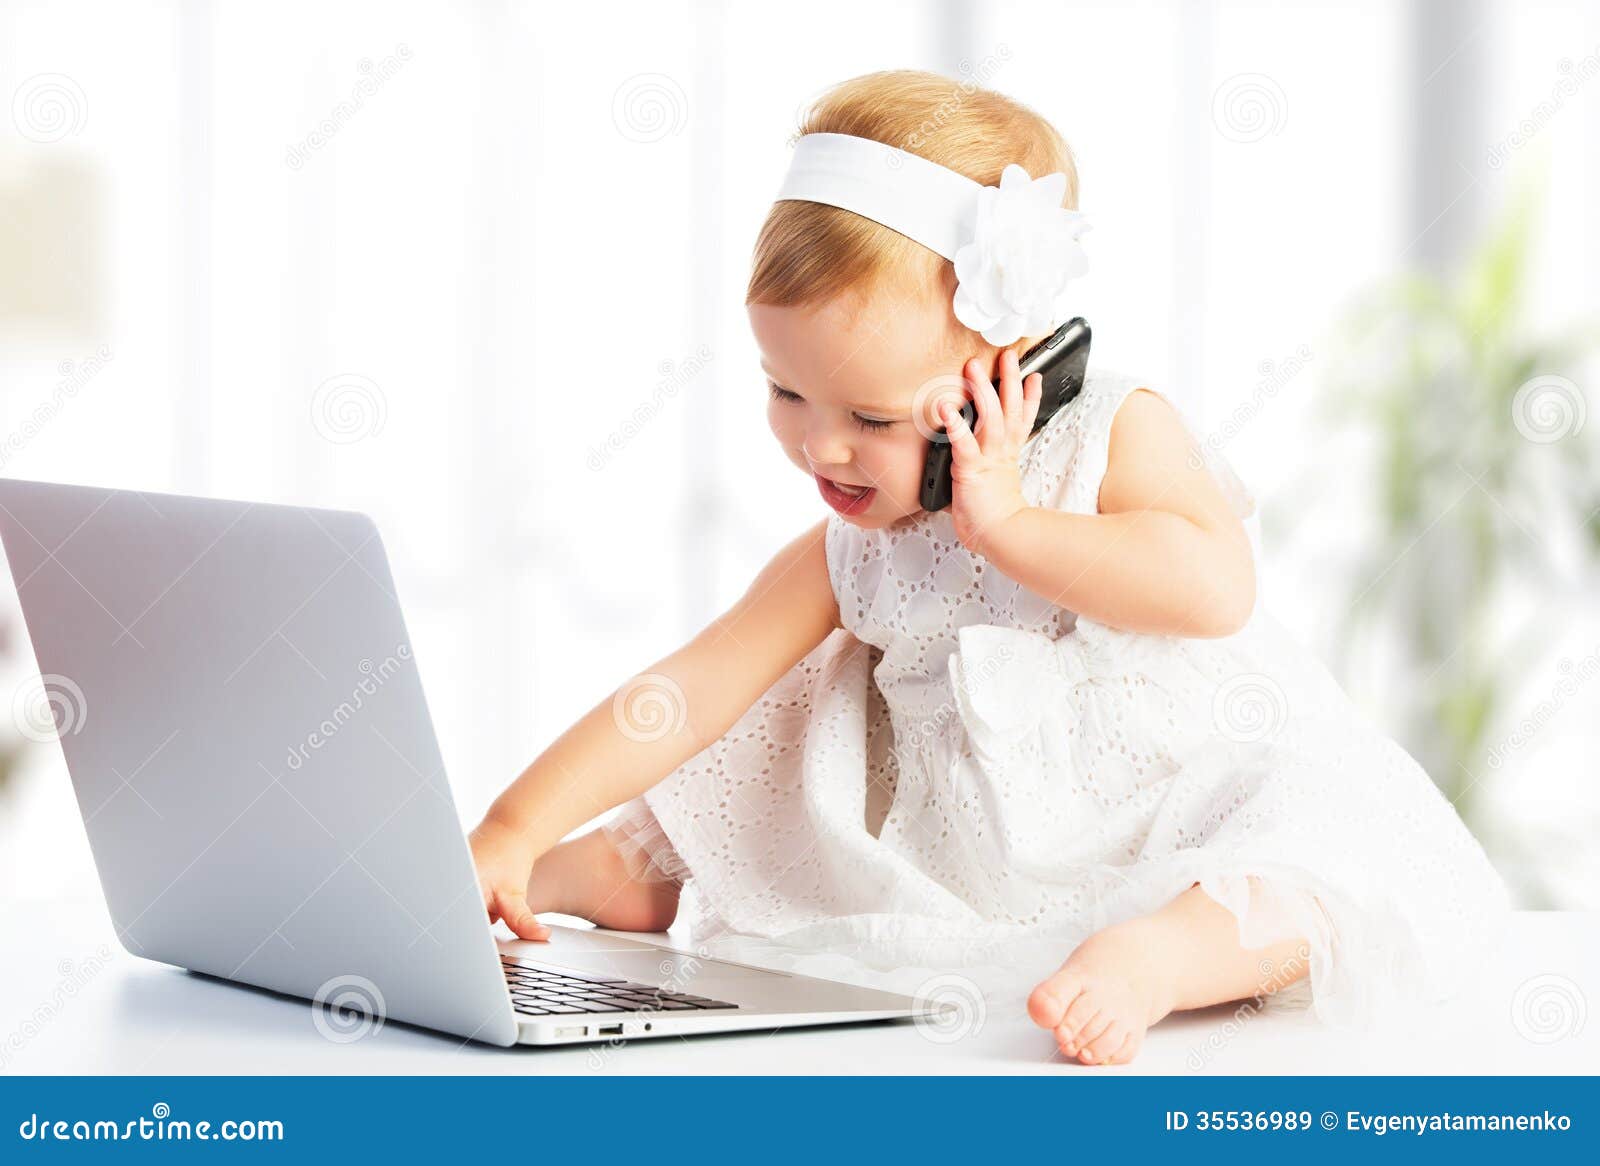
(825, 445)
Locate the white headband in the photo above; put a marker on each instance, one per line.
(1014, 246)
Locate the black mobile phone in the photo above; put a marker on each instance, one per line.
(1061, 358)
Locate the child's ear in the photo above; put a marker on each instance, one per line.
(971, 344)
(964, 344)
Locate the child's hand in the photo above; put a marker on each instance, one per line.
(985, 479)
(505, 863)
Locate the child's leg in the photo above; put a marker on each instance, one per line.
(1123, 979)
(587, 877)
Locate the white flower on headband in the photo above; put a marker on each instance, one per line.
(1024, 249)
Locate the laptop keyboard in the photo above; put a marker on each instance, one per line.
(541, 991)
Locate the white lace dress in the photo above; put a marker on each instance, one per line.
(968, 777)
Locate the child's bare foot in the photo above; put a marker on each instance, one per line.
(1116, 984)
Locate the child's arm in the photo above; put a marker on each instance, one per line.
(605, 759)
(1166, 553)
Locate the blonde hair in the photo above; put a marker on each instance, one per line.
(808, 253)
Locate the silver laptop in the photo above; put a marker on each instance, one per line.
(243, 720)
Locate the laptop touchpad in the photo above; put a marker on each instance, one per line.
(659, 969)
(593, 951)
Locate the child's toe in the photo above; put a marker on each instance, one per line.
(1049, 1002)
(1130, 1048)
(1091, 1030)
(1080, 1016)
(1104, 1046)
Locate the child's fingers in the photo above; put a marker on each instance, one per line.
(1010, 386)
(514, 910)
(1032, 395)
(962, 443)
(991, 416)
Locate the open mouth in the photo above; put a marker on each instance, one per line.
(844, 497)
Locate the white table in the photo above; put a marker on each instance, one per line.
(137, 1017)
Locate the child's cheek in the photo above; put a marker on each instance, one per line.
(784, 421)
(897, 467)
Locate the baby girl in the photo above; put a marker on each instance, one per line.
(1050, 718)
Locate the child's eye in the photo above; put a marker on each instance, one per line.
(870, 422)
(780, 393)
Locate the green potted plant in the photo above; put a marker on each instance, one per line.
(1483, 486)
